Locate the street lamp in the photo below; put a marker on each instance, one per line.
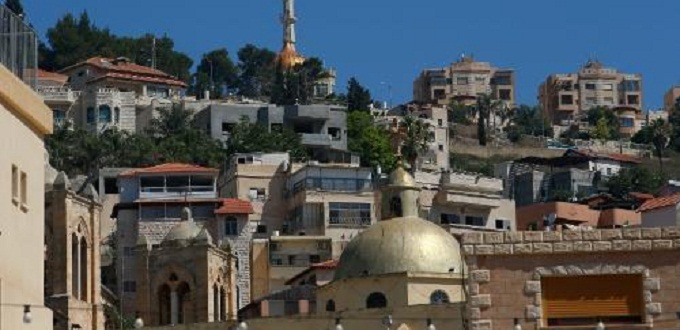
(28, 317)
(517, 325)
(430, 325)
(139, 323)
(387, 321)
(338, 325)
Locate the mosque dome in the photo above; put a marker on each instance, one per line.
(400, 243)
(183, 233)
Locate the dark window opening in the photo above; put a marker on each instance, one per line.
(376, 300)
(330, 306)
(395, 207)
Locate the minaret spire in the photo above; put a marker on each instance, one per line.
(288, 21)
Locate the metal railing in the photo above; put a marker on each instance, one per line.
(18, 46)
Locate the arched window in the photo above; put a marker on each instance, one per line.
(83, 269)
(184, 304)
(330, 306)
(223, 304)
(116, 115)
(395, 207)
(104, 113)
(376, 300)
(216, 303)
(164, 305)
(439, 297)
(75, 266)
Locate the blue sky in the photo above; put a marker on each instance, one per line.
(390, 41)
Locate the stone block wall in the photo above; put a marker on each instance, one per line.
(505, 269)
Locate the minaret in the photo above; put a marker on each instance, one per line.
(288, 57)
(288, 19)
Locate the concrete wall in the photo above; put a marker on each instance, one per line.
(24, 121)
(663, 217)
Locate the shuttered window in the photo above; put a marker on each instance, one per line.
(575, 300)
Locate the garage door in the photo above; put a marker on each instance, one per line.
(583, 299)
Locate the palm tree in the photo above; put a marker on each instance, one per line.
(486, 106)
(417, 139)
(661, 132)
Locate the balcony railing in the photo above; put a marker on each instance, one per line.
(59, 94)
(350, 221)
(333, 184)
(169, 192)
(316, 139)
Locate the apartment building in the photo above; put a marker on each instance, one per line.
(101, 93)
(24, 122)
(671, 98)
(463, 81)
(436, 158)
(565, 98)
(463, 202)
(323, 128)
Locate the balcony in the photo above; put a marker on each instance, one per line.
(59, 94)
(307, 112)
(350, 221)
(321, 140)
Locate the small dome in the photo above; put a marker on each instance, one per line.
(401, 178)
(184, 233)
(408, 244)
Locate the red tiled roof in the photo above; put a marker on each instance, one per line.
(47, 75)
(128, 70)
(616, 157)
(135, 77)
(170, 168)
(641, 196)
(660, 202)
(325, 265)
(235, 206)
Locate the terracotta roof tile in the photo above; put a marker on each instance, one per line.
(170, 168)
(235, 206)
(47, 75)
(660, 202)
(123, 69)
(641, 196)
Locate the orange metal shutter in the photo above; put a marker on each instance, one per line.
(592, 296)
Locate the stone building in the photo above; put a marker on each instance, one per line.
(72, 265)
(624, 278)
(24, 122)
(463, 81)
(186, 278)
(565, 98)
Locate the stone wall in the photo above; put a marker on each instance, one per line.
(505, 269)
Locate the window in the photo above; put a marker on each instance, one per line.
(128, 251)
(474, 221)
(439, 94)
(227, 128)
(626, 122)
(261, 229)
(15, 184)
(440, 122)
(90, 115)
(257, 193)
(633, 99)
(277, 262)
(376, 300)
(104, 113)
(59, 116)
(609, 171)
(501, 80)
(24, 189)
(350, 214)
(503, 224)
(439, 297)
(330, 306)
(116, 115)
(567, 99)
(591, 100)
(129, 286)
(448, 219)
(441, 147)
(607, 87)
(590, 86)
(504, 94)
(462, 81)
(230, 227)
(314, 259)
(395, 207)
(274, 246)
(335, 133)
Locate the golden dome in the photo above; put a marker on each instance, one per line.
(408, 244)
(289, 57)
(401, 178)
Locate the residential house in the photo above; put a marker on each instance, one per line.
(538, 216)
(24, 123)
(662, 211)
(463, 81)
(566, 98)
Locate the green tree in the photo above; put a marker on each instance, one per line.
(296, 85)
(257, 71)
(606, 120)
(661, 133)
(248, 137)
(602, 131)
(358, 97)
(485, 107)
(370, 142)
(674, 120)
(635, 179)
(460, 113)
(526, 120)
(15, 6)
(215, 73)
(417, 140)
